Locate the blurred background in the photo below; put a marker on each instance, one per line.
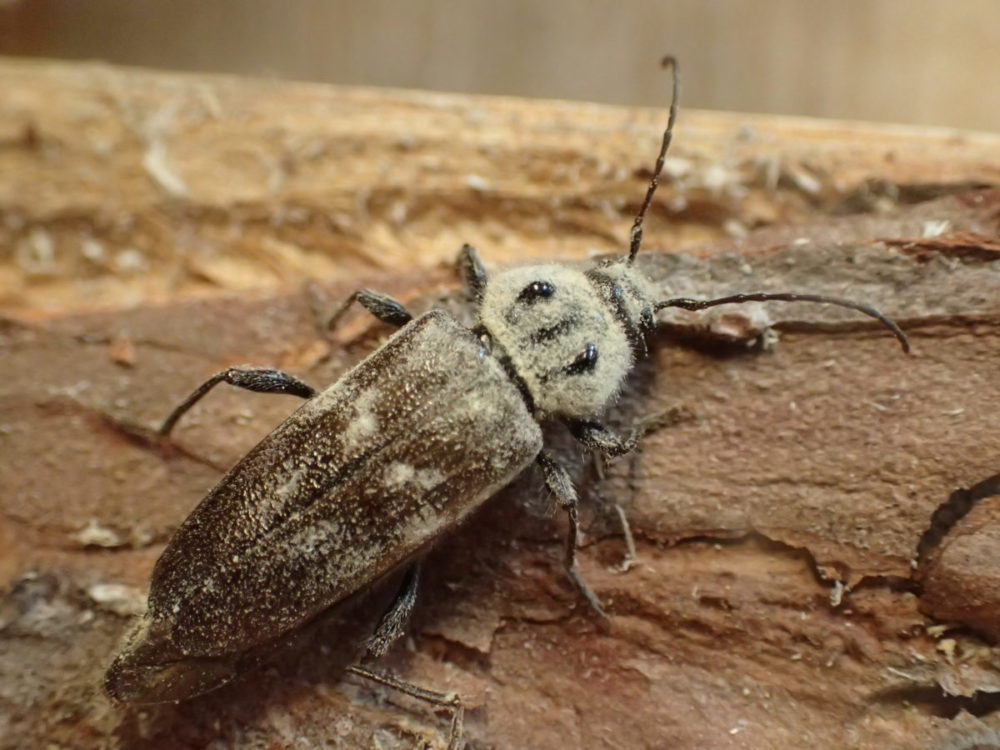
(907, 61)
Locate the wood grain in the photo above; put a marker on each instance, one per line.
(123, 186)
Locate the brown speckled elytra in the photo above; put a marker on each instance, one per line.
(369, 472)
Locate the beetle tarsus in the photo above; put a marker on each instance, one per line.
(259, 380)
(450, 701)
(631, 557)
(558, 481)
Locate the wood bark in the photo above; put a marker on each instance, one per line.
(808, 568)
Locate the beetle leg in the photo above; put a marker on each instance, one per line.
(263, 380)
(558, 481)
(471, 269)
(451, 701)
(391, 627)
(382, 306)
(599, 438)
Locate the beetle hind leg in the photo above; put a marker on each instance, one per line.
(450, 701)
(260, 380)
(391, 627)
(558, 481)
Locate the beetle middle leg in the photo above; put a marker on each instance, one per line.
(560, 484)
(382, 306)
(472, 271)
(260, 380)
(606, 444)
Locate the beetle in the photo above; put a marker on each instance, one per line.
(370, 471)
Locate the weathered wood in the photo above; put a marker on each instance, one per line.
(790, 473)
(125, 185)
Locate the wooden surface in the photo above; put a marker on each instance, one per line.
(795, 469)
(122, 187)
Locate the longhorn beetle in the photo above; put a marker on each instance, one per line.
(370, 471)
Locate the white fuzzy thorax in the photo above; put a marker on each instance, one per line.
(543, 335)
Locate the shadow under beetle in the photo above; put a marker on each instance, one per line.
(369, 472)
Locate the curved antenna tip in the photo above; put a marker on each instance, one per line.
(695, 304)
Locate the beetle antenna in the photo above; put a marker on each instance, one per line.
(635, 237)
(696, 304)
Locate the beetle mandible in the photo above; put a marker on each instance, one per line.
(370, 471)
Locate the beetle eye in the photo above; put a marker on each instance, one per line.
(536, 290)
(585, 361)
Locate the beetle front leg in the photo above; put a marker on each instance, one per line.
(260, 380)
(599, 438)
(382, 306)
(558, 481)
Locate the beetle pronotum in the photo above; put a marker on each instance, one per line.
(371, 470)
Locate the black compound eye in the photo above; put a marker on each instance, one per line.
(646, 320)
(585, 361)
(536, 290)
